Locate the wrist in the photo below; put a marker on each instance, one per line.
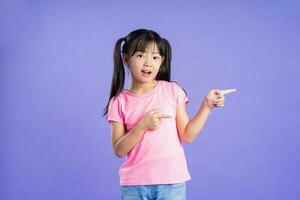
(206, 105)
(141, 127)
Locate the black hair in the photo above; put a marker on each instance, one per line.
(138, 40)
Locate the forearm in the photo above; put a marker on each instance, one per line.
(128, 141)
(194, 127)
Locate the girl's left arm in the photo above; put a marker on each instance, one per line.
(190, 129)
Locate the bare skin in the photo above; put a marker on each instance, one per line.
(188, 128)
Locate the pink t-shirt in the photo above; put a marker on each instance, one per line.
(159, 156)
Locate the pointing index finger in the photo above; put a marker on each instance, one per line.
(228, 91)
(165, 116)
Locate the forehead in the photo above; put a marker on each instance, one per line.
(150, 48)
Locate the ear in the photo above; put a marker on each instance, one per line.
(125, 59)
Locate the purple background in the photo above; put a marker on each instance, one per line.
(56, 68)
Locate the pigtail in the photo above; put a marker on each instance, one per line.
(117, 83)
(165, 69)
(138, 40)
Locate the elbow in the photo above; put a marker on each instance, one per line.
(119, 154)
(188, 140)
(117, 151)
(185, 136)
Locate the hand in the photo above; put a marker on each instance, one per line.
(215, 98)
(151, 120)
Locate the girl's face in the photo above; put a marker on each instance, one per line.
(144, 66)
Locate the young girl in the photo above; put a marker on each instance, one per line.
(149, 120)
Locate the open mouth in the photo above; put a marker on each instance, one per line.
(146, 72)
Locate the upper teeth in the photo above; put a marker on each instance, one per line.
(146, 70)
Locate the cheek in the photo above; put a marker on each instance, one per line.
(159, 66)
(157, 63)
(135, 70)
(134, 66)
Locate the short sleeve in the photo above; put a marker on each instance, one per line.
(180, 94)
(114, 111)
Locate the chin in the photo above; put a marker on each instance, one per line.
(142, 80)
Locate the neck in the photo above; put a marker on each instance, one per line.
(140, 88)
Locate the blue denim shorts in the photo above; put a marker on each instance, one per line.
(158, 192)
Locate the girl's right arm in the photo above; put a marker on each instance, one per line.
(123, 143)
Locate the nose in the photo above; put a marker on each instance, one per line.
(147, 61)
